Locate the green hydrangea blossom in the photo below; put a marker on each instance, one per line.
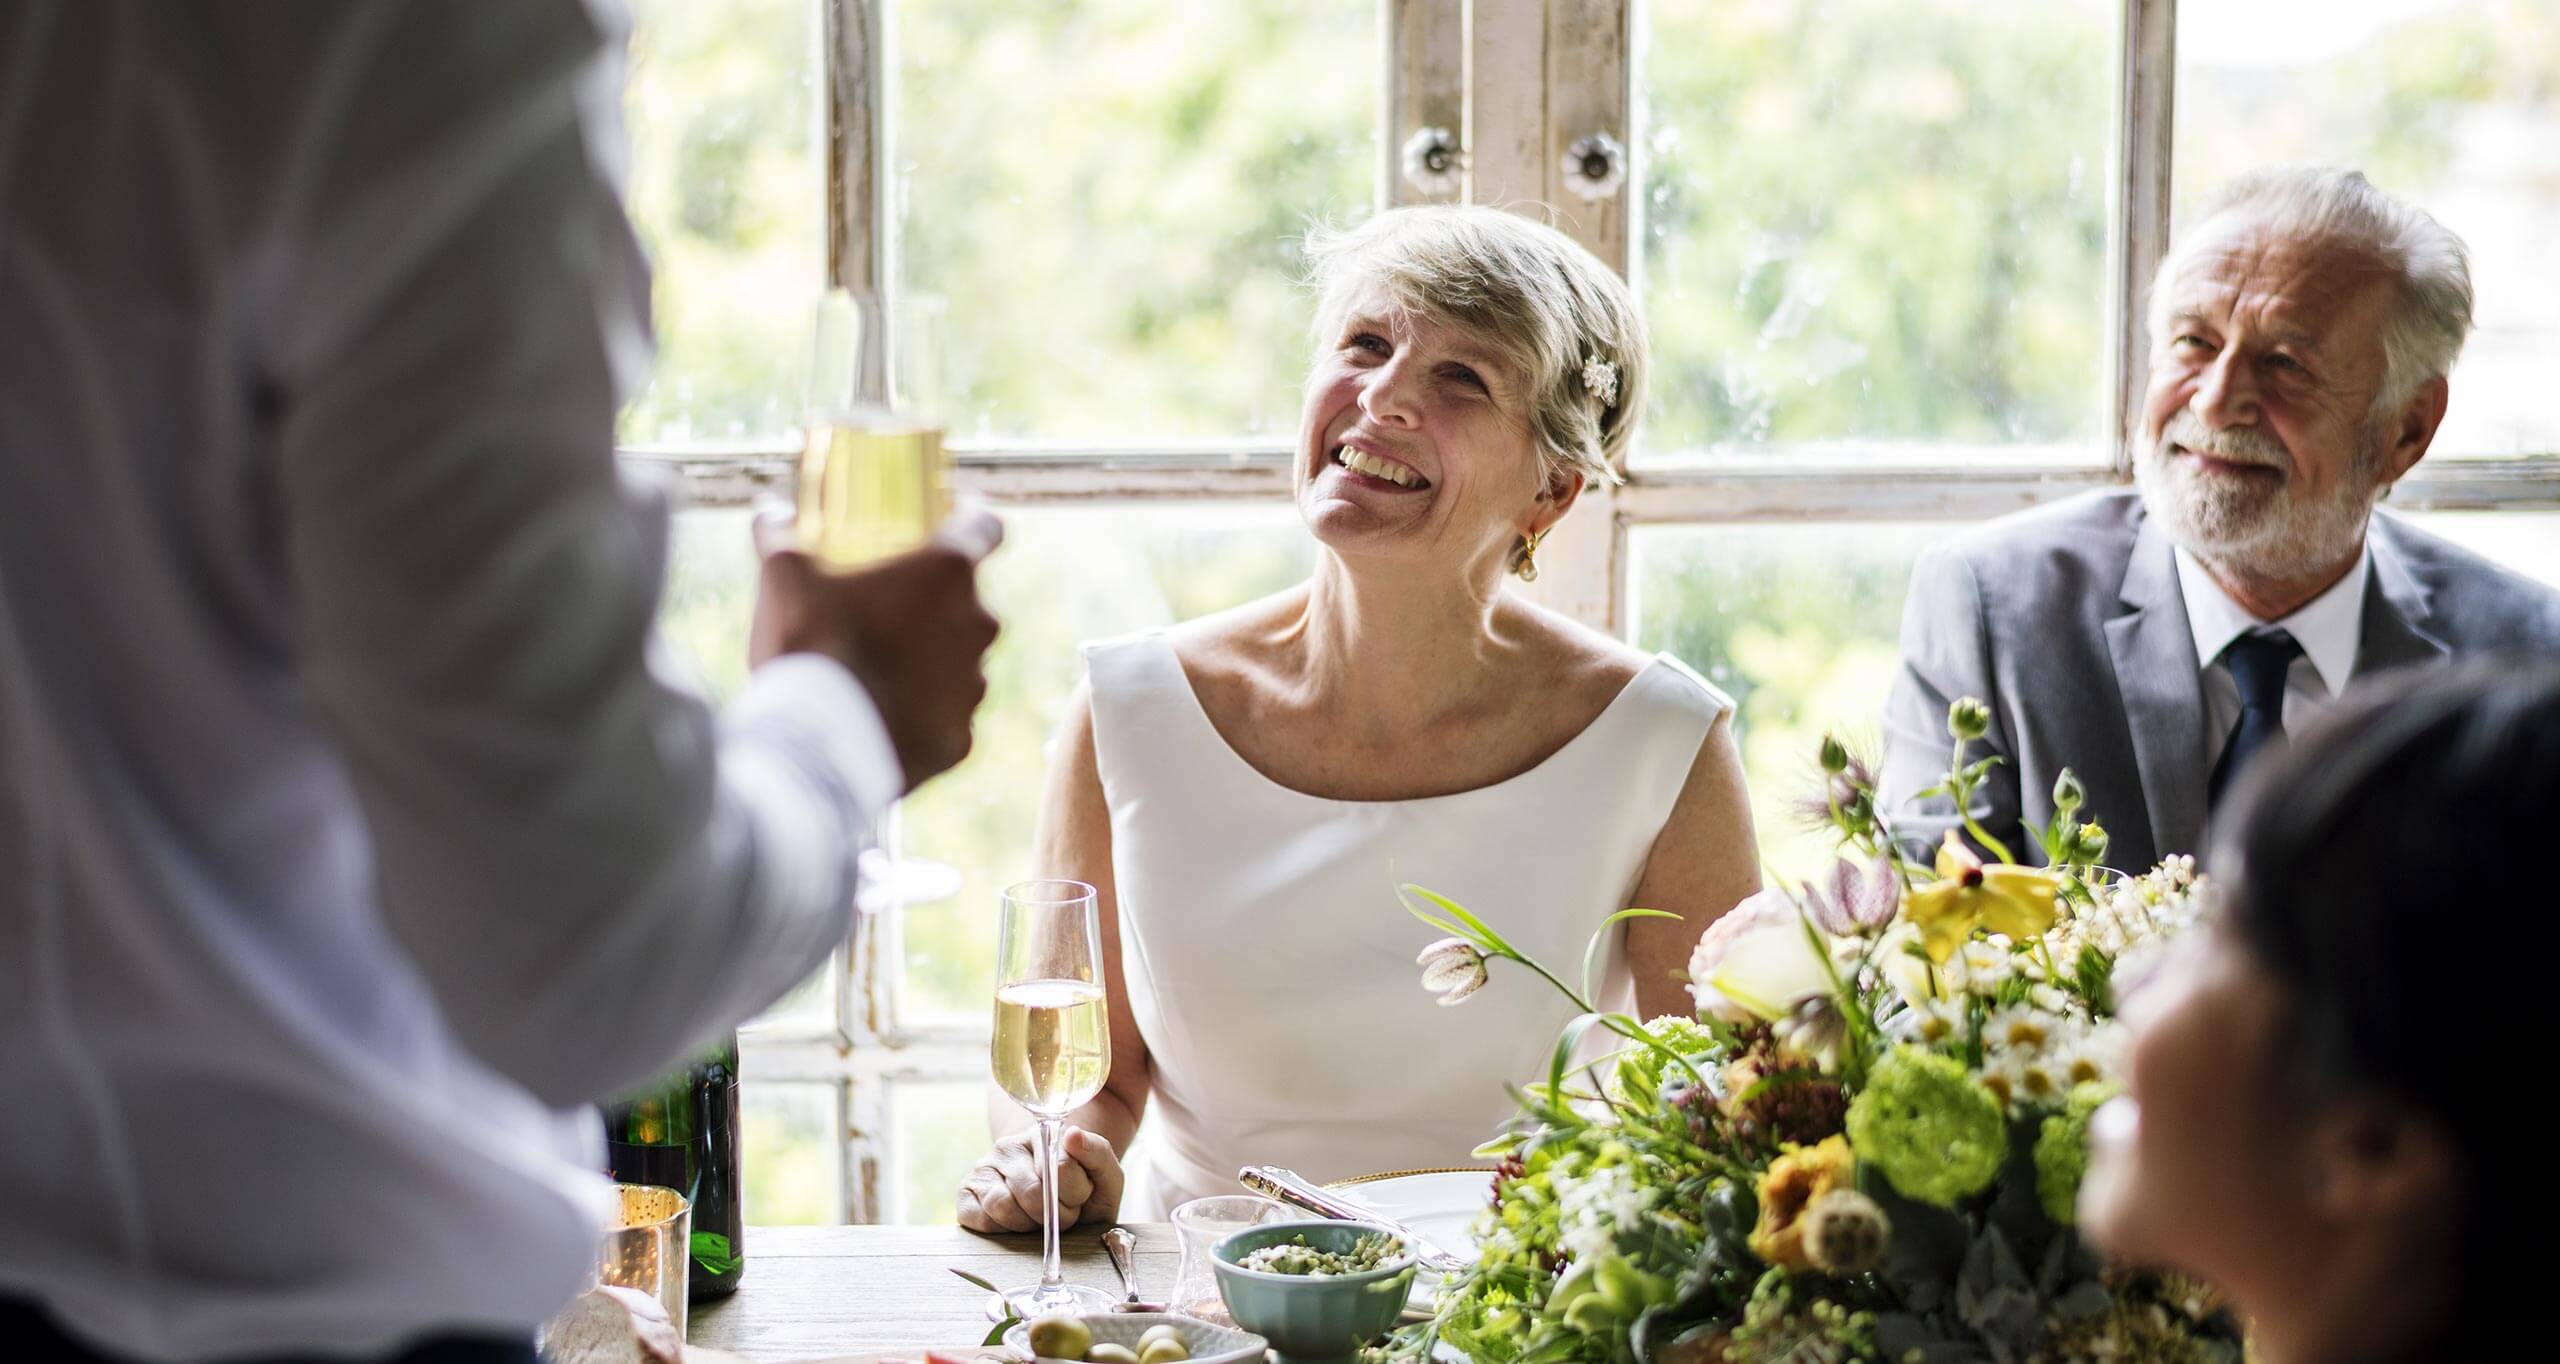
(2062, 1151)
(1640, 1070)
(1931, 1129)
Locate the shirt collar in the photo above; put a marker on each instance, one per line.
(2329, 627)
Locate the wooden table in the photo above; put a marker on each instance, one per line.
(816, 1292)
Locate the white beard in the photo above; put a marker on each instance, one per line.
(2253, 529)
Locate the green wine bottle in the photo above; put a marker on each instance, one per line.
(682, 1133)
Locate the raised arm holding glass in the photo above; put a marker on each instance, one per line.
(1248, 790)
(351, 838)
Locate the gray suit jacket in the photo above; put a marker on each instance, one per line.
(2068, 621)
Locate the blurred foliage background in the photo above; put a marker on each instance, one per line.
(1870, 227)
(1877, 220)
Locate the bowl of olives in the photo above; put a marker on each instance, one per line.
(1131, 1338)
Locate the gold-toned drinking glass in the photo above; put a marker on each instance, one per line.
(649, 1246)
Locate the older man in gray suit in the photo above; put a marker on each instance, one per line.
(2155, 639)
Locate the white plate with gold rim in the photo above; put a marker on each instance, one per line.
(1439, 1205)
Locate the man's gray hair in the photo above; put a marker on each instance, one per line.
(2432, 316)
(1534, 295)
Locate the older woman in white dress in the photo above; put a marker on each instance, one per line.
(1247, 790)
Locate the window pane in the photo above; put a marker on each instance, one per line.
(1876, 220)
(1063, 576)
(2528, 542)
(1114, 229)
(789, 1153)
(1800, 624)
(939, 1130)
(2447, 103)
(727, 190)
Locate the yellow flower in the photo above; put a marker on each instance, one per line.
(2016, 901)
(1793, 1182)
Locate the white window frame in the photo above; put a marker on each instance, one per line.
(1520, 80)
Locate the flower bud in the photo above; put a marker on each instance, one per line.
(2068, 796)
(1835, 755)
(1452, 968)
(2090, 842)
(1845, 1232)
(1969, 719)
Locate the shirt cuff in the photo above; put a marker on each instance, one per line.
(818, 697)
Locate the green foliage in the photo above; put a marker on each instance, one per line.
(726, 192)
(1117, 233)
(2062, 1153)
(1875, 219)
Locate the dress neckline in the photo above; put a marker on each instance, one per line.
(1200, 711)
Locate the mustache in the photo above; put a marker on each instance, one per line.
(2239, 445)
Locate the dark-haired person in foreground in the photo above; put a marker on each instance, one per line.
(2328, 1106)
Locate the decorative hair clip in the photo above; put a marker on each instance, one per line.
(1600, 379)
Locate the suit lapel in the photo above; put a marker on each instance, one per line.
(2397, 610)
(2157, 675)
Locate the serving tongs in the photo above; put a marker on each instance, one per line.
(1291, 1188)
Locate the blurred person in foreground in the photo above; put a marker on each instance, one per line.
(349, 841)
(1248, 790)
(2316, 1118)
(2157, 638)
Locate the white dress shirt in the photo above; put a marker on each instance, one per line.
(349, 840)
(2329, 627)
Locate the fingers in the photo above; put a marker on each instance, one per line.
(987, 1204)
(774, 527)
(986, 1207)
(1003, 1193)
(1022, 1181)
(1075, 1189)
(1093, 1157)
(972, 530)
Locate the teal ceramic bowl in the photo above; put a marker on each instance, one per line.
(1306, 1317)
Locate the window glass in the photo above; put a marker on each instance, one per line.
(727, 191)
(939, 1130)
(1800, 625)
(2448, 104)
(1115, 232)
(2527, 542)
(1876, 221)
(789, 1152)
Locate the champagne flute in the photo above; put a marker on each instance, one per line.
(874, 479)
(1052, 1047)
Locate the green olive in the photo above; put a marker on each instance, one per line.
(1162, 1330)
(1165, 1351)
(1111, 1354)
(1060, 1336)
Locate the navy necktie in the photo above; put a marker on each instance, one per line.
(2258, 662)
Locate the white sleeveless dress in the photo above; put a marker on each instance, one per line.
(1271, 967)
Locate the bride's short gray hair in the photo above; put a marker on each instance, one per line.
(1549, 307)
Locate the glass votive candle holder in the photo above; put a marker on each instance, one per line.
(650, 1246)
(1202, 1223)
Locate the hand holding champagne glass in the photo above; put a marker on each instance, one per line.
(1052, 1046)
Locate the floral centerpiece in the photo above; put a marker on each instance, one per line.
(1867, 1143)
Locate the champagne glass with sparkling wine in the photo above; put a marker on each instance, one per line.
(1052, 1047)
(874, 480)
